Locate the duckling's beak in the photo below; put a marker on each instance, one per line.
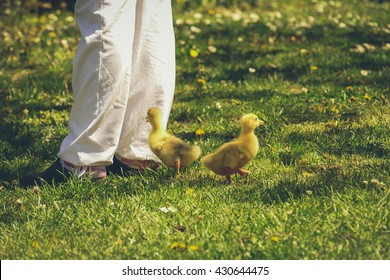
(261, 122)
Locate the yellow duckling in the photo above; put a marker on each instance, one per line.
(171, 150)
(232, 156)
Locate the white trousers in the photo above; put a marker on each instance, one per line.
(124, 64)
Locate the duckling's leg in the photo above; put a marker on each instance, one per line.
(243, 172)
(177, 167)
(228, 179)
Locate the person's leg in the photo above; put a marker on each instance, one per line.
(101, 85)
(152, 78)
(101, 81)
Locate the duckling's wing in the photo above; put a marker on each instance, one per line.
(177, 144)
(172, 147)
(158, 140)
(234, 156)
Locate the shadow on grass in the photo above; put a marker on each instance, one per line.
(23, 150)
(324, 181)
(365, 141)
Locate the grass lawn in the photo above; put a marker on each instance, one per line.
(316, 72)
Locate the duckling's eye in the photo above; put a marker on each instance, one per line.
(256, 119)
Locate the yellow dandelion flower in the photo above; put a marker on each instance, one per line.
(177, 245)
(43, 19)
(189, 191)
(364, 73)
(251, 70)
(194, 53)
(367, 97)
(313, 68)
(201, 82)
(194, 248)
(334, 110)
(303, 51)
(320, 108)
(35, 244)
(199, 131)
(275, 239)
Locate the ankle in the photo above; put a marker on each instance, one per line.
(136, 164)
(95, 172)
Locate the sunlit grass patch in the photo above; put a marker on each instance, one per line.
(316, 73)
